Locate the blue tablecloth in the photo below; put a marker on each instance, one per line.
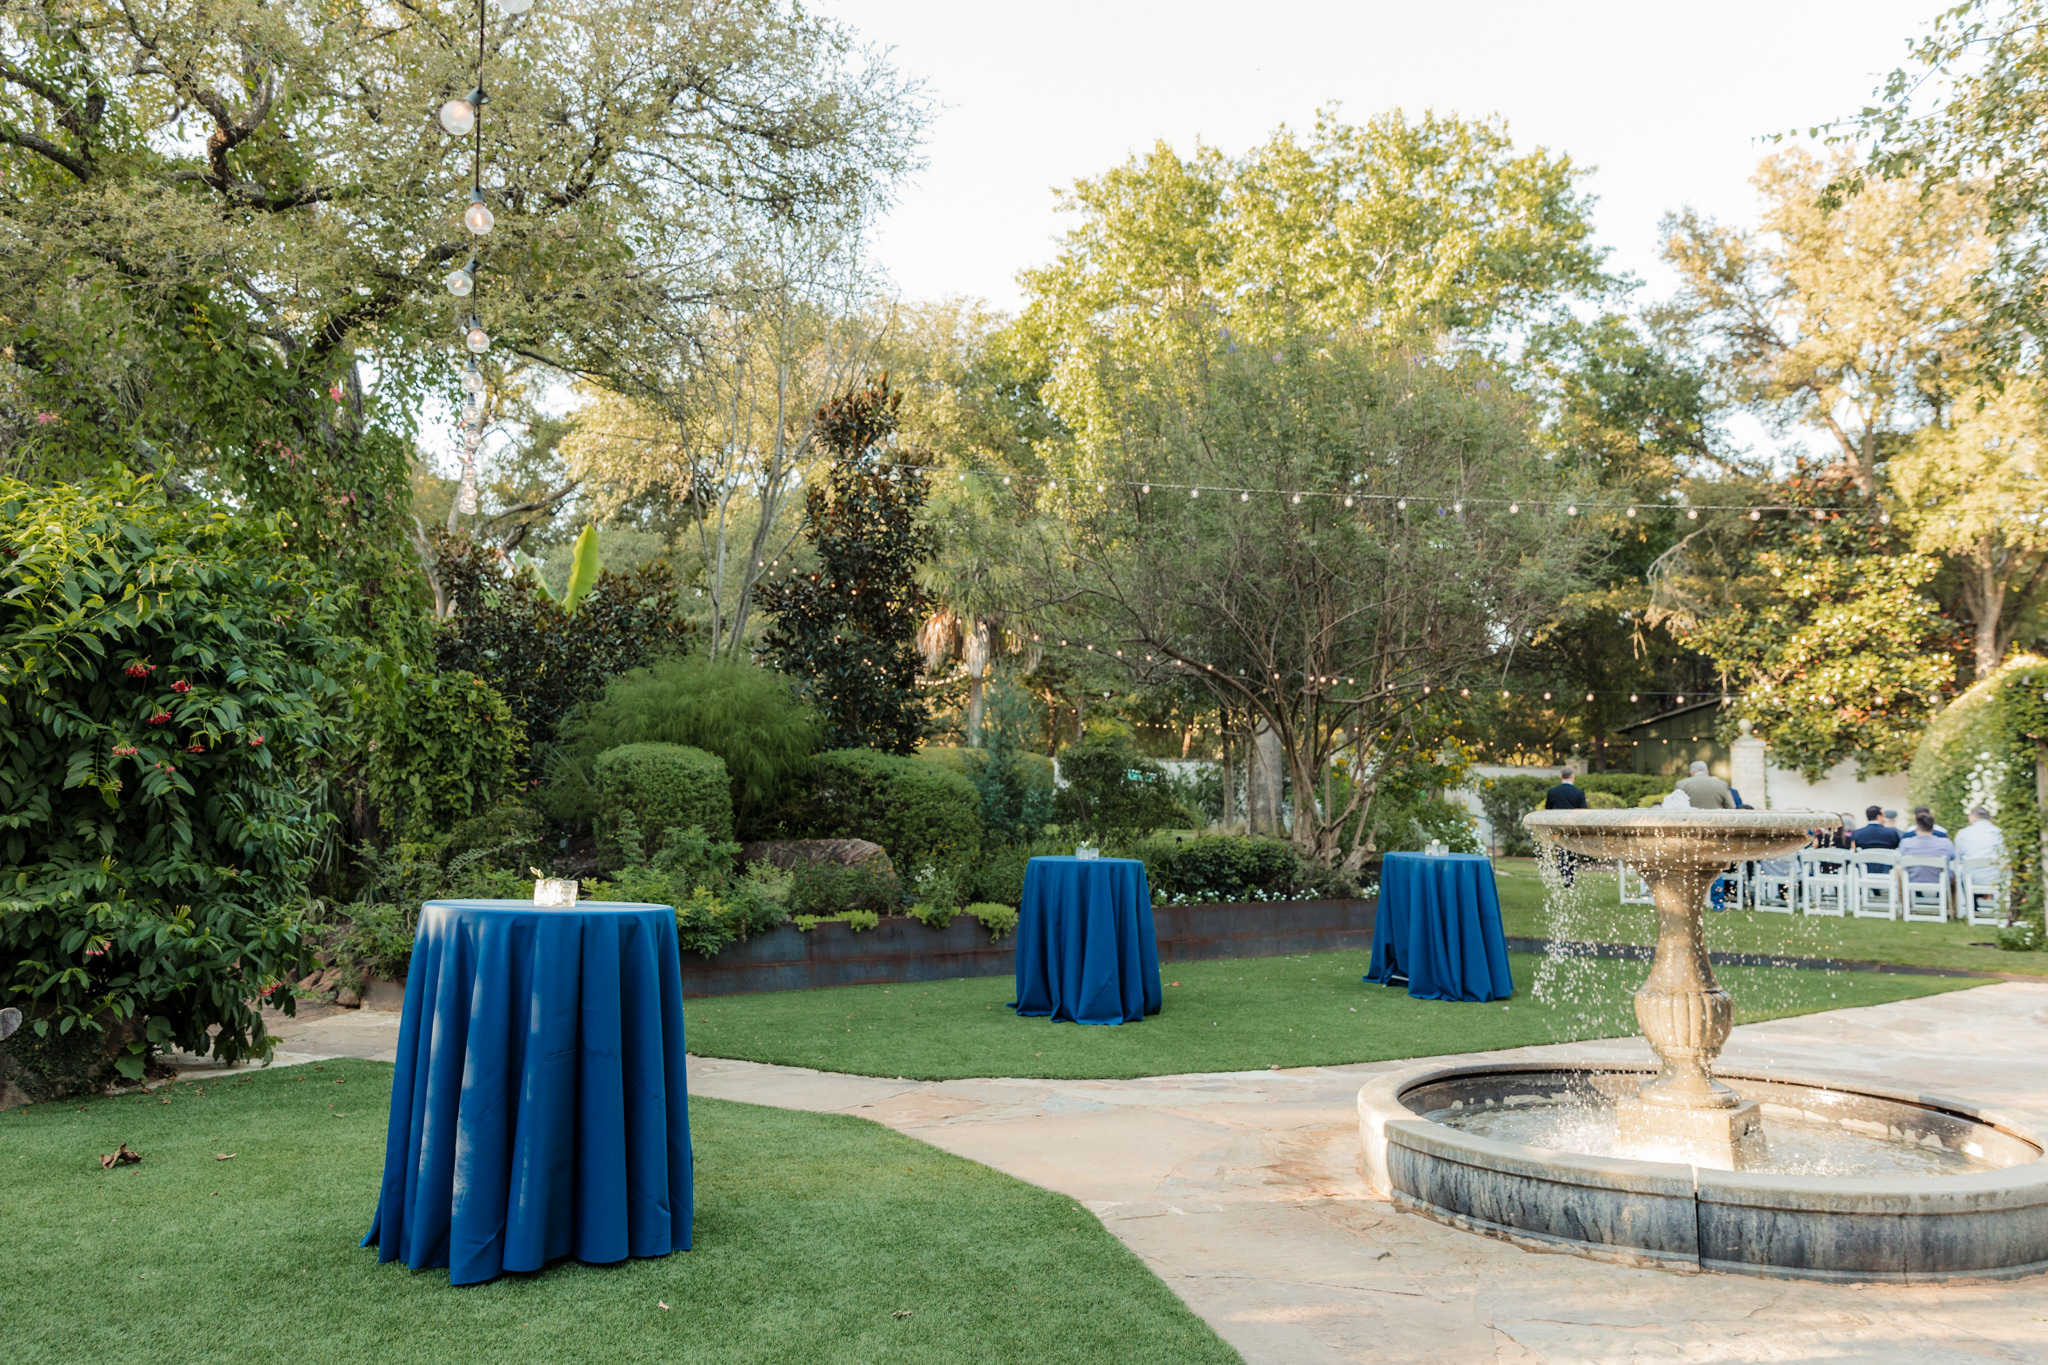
(1439, 924)
(539, 1109)
(1085, 947)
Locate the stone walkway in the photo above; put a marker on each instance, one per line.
(1242, 1190)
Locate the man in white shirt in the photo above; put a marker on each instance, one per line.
(1980, 838)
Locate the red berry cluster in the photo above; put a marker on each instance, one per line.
(139, 670)
(181, 687)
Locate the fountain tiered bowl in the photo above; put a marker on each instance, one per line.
(1693, 1167)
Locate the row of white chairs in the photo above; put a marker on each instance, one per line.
(1868, 883)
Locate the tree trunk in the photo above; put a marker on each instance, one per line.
(1262, 788)
(1229, 770)
(975, 650)
(1986, 606)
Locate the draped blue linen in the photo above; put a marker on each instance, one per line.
(540, 1108)
(1085, 947)
(1439, 924)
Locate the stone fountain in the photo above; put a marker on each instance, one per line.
(1675, 1167)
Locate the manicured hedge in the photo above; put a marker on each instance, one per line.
(663, 787)
(1222, 869)
(923, 815)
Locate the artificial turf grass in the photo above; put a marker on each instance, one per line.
(1234, 1015)
(1592, 912)
(812, 1232)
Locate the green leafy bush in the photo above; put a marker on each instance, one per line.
(693, 872)
(510, 833)
(1980, 751)
(747, 716)
(935, 897)
(443, 748)
(661, 787)
(827, 888)
(168, 704)
(999, 874)
(918, 812)
(1604, 801)
(1506, 800)
(858, 921)
(1630, 787)
(1114, 794)
(1221, 869)
(997, 919)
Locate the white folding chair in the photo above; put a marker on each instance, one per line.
(1735, 887)
(1824, 892)
(1925, 902)
(1775, 887)
(1634, 890)
(1877, 883)
(1980, 890)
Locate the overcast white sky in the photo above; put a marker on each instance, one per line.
(1667, 101)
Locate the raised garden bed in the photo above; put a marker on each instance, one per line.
(902, 949)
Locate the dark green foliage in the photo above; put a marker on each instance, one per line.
(444, 747)
(922, 815)
(1506, 800)
(167, 704)
(1630, 787)
(510, 832)
(1982, 750)
(999, 874)
(849, 628)
(746, 715)
(543, 661)
(661, 787)
(820, 889)
(693, 873)
(52, 1065)
(1222, 869)
(1113, 794)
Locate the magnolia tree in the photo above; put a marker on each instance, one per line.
(1339, 542)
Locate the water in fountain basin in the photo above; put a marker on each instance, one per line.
(1799, 1144)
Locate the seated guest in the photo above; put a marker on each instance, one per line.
(1891, 820)
(1874, 834)
(1980, 838)
(1707, 792)
(1923, 842)
(1919, 811)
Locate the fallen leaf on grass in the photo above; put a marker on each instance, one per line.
(662, 1306)
(1173, 983)
(223, 1156)
(125, 1157)
(903, 1312)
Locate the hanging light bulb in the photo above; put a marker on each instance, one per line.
(458, 116)
(477, 217)
(472, 379)
(477, 339)
(473, 411)
(462, 280)
(472, 439)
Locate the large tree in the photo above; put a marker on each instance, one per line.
(1334, 539)
(212, 212)
(1855, 323)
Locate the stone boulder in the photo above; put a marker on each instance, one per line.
(839, 852)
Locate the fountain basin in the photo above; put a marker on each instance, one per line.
(1989, 1221)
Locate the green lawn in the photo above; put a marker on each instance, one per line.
(813, 1233)
(1592, 911)
(1238, 1015)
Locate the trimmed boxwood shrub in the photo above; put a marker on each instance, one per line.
(1113, 793)
(662, 787)
(921, 814)
(1221, 869)
(1630, 787)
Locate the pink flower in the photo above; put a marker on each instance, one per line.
(334, 392)
(256, 742)
(195, 748)
(181, 687)
(44, 419)
(160, 718)
(124, 750)
(139, 670)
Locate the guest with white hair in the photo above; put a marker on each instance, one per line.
(1705, 791)
(1980, 838)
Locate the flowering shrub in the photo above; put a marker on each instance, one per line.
(152, 850)
(1981, 751)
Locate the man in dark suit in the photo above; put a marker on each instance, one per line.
(1876, 834)
(1566, 796)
